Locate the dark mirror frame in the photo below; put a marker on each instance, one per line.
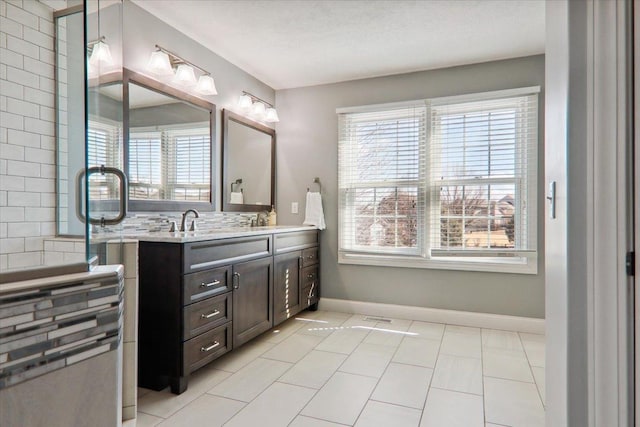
(228, 116)
(156, 86)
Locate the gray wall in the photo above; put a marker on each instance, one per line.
(307, 137)
(143, 31)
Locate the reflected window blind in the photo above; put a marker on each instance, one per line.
(145, 165)
(103, 143)
(381, 180)
(190, 175)
(483, 161)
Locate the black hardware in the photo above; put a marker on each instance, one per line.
(630, 263)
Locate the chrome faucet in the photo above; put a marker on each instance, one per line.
(184, 219)
(260, 219)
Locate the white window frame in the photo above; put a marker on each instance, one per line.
(505, 261)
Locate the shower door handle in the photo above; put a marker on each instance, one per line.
(551, 197)
(122, 202)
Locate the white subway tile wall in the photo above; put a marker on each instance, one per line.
(27, 127)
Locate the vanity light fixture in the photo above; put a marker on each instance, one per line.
(185, 75)
(163, 62)
(257, 108)
(159, 63)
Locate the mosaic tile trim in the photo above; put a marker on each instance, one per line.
(50, 329)
(153, 222)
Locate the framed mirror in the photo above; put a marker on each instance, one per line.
(168, 150)
(248, 169)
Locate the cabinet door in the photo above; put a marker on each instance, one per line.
(286, 286)
(252, 299)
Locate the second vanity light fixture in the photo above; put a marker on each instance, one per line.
(257, 108)
(165, 63)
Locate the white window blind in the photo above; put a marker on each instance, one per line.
(103, 144)
(382, 185)
(145, 165)
(441, 183)
(483, 161)
(189, 177)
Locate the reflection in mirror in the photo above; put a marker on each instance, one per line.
(248, 170)
(168, 151)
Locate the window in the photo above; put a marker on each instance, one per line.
(443, 183)
(184, 174)
(103, 148)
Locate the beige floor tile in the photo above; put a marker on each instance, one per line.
(452, 409)
(534, 347)
(506, 364)
(241, 357)
(427, 330)
(302, 421)
(455, 329)
(512, 403)
(142, 391)
(378, 414)
(314, 370)
(207, 410)
(463, 374)
(341, 399)
(164, 403)
(539, 376)
(404, 385)
(368, 359)
(343, 340)
(461, 342)
(282, 331)
(251, 380)
(320, 324)
(506, 340)
(390, 334)
(416, 351)
(146, 420)
(360, 320)
(293, 348)
(277, 406)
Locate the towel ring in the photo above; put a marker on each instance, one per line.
(236, 182)
(316, 180)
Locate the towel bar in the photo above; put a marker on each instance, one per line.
(316, 180)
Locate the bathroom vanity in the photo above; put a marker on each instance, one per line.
(203, 294)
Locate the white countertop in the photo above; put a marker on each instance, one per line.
(213, 234)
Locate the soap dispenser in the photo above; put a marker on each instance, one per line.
(272, 216)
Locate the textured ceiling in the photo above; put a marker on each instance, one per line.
(302, 43)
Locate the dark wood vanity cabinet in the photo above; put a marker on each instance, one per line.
(296, 274)
(199, 300)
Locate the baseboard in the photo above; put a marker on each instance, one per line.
(452, 317)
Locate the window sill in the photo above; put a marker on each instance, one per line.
(520, 265)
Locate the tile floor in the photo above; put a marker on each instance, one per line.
(323, 369)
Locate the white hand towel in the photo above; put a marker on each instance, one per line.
(237, 198)
(314, 215)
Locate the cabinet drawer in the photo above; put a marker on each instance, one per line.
(287, 242)
(206, 284)
(309, 275)
(204, 315)
(310, 256)
(206, 347)
(215, 253)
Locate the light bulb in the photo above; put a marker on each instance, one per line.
(206, 85)
(245, 102)
(185, 75)
(258, 110)
(101, 54)
(159, 63)
(271, 115)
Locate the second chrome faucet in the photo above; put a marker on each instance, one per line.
(193, 222)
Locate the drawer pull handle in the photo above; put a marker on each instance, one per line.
(309, 276)
(311, 290)
(310, 257)
(236, 284)
(208, 285)
(210, 315)
(211, 347)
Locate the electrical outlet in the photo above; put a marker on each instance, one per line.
(294, 207)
